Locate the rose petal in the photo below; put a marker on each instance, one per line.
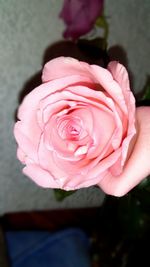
(46, 160)
(66, 67)
(21, 155)
(25, 144)
(101, 135)
(40, 176)
(30, 106)
(104, 164)
(106, 80)
(31, 102)
(120, 75)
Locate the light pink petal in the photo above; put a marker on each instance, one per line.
(46, 160)
(113, 142)
(96, 98)
(71, 168)
(64, 171)
(103, 128)
(59, 168)
(80, 179)
(28, 110)
(120, 75)
(87, 97)
(21, 155)
(104, 164)
(25, 144)
(116, 168)
(105, 79)
(30, 130)
(85, 115)
(49, 108)
(76, 94)
(53, 142)
(31, 102)
(40, 176)
(65, 67)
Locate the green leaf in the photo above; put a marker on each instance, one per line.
(62, 194)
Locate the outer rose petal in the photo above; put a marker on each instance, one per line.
(120, 75)
(47, 162)
(21, 155)
(70, 66)
(110, 85)
(40, 176)
(26, 145)
(67, 66)
(31, 102)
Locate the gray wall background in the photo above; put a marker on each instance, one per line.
(27, 28)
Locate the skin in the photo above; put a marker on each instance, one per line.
(137, 166)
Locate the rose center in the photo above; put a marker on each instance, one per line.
(72, 131)
(69, 128)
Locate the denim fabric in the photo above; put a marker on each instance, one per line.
(67, 248)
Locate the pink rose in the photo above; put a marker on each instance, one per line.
(80, 16)
(76, 128)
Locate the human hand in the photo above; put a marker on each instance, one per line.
(138, 163)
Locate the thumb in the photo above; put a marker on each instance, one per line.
(137, 166)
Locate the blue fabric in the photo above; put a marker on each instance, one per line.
(67, 248)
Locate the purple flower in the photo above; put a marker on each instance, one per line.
(80, 16)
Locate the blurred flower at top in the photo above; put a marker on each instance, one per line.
(80, 16)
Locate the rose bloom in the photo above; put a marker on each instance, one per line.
(75, 129)
(80, 16)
